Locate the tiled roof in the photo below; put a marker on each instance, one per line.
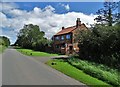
(66, 30)
(70, 29)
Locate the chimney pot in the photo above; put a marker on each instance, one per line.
(78, 19)
(78, 22)
(63, 28)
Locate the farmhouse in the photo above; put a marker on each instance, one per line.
(64, 40)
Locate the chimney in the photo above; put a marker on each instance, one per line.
(63, 28)
(78, 22)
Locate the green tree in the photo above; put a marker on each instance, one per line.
(101, 45)
(107, 14)
(4, 41)
(31, 37)
(1, 41)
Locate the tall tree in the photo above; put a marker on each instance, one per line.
(107, 14)
(31, 37)
(4, 41)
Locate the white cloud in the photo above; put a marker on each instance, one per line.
(7, 6)
(49, 21)
(67, 7)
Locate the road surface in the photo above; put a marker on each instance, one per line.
(19, 69)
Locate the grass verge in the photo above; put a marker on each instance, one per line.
(75, 73)
(102, 72)
(35, 53)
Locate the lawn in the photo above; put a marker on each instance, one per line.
(2, 48)
(75, 73)
(35, 53)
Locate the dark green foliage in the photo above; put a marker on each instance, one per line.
(31, 37)
(101, 44)
(4, 41)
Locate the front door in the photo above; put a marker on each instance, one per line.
(63, 48)
(70, 49)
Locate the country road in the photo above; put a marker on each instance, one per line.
(19, 69)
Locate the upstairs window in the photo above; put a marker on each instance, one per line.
(57, 38)
(68, 36)
(62, 37)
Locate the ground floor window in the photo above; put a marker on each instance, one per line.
(57, 46)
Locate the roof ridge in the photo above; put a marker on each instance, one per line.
(70, 27)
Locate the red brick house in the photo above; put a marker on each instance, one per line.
(64, 40)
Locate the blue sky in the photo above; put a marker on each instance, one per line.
(49, 16)
(85, 7)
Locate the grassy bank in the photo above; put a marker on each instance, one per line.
(102, 72)
(75, 73)
(2, 48)
(35, 53)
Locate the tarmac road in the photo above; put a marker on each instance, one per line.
(19, 69)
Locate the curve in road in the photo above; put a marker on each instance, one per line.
(19, 69)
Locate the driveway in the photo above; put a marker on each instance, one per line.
(45, 59)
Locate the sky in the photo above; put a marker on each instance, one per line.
(49, 16)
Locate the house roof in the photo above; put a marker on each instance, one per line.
(69, 29)
(66, 30)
